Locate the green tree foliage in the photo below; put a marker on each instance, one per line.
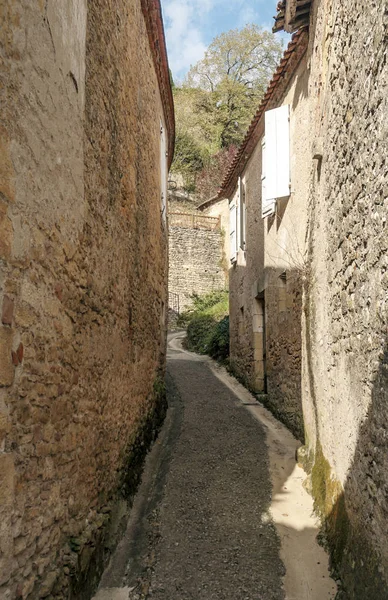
(188, 159)
(235, 70)
(221, 93)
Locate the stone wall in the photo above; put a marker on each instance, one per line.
(220, 210)
(283, 306)
(195, 262)
(345, 364)
(83, 264)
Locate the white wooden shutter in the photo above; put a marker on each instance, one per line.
(277, 153)
(245, 221)
(267, 204)
(238, 199)
(232, 230)
(163, 171)
(242, 215)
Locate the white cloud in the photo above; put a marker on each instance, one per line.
(247, 15)
(191, 24)
(184, 37)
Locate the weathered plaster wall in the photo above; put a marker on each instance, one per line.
(285, 265)
(275, 247)
(82, 272)
(345, 377)
(195, 262)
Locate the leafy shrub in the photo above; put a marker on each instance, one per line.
(208, 300)
(208, 324)
(215, 303)
(199, 333)
(218, 346)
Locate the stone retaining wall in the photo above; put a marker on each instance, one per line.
(195, 262)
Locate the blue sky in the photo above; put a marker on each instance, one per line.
(190, 25)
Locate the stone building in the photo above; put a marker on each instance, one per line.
(308, 270)
(86, 138)
(266, 242)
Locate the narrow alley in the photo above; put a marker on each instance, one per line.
(193, 300)
(202, 526)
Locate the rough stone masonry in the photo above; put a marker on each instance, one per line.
(195, 262)
(83, 266)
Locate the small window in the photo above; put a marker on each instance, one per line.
(282, 306)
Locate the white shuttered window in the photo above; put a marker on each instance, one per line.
(276, 157)
(232, 230)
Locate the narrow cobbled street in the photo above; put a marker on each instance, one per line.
(203, 522)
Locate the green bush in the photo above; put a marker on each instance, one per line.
(219, 340)
(199, 333)
(214, 303)
(201, 303)
(207, 325)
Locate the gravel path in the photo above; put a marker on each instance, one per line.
(200, 528)
(215, 538)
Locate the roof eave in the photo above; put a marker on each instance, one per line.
(295, 50)
(292, 15)
(209, 202)
(152, 13)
